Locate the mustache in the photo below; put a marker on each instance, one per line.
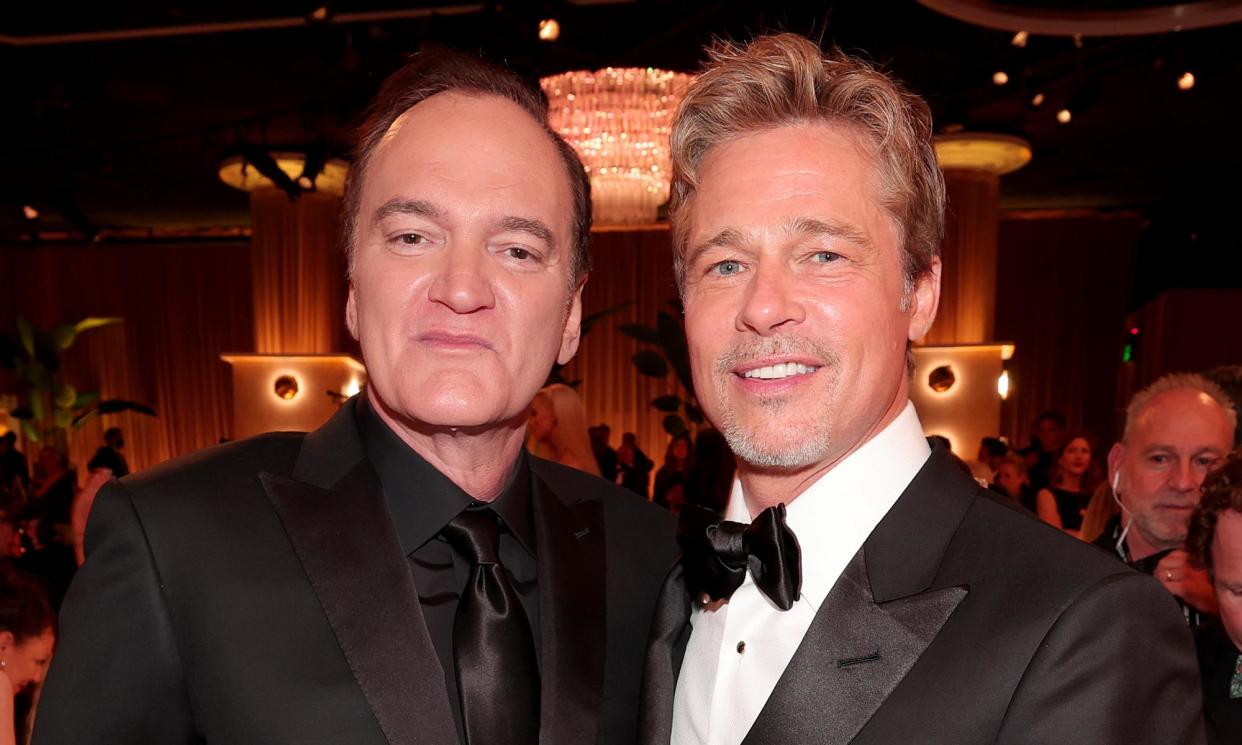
(773, 346)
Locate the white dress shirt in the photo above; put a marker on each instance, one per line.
(737, 652)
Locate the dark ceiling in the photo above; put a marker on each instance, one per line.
(127, 132)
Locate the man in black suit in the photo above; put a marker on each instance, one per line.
(406, 573)
(862, 589)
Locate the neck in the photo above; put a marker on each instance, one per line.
(1140, 547)
(479, 460)
(767, 487)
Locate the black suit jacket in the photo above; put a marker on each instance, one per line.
(962, 620)
(257, 593)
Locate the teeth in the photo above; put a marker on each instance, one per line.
(779, 370)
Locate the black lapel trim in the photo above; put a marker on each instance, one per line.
(349, 550)
(905, 550)
(666, 648)
(852, 657)
(570, 545)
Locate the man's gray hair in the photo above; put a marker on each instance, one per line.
(1178, 382)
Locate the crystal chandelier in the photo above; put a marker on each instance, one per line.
(618, 120)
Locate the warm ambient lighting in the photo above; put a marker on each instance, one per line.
(1019, 39)
(30, 212)
(618, 120)
(1002, 384)
(1037, 99)
(998, 154)
(549, 29)
(1064, 116)
(286, 387)
(239, 174)
(353, 388)
(1000, 77)
(1186, 81)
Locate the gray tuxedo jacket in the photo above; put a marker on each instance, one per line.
(964, 621)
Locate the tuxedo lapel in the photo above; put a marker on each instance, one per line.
(569, 537)
(852, 657)
(666, 647)
(349, 549)
(877, 620)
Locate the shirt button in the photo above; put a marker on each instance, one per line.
(741, 647)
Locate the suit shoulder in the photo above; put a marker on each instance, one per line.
(620, 505)
(1022, 545)
(214, 469)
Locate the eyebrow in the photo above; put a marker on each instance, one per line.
(723, 239)
(810, 226)
(399, 206)
(803, 226)
(536, 228)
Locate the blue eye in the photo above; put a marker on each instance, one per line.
(826, 257)
(727, 268)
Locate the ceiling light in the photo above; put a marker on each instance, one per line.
(1000, 77)
(1019, 39)
(1037, 99)
(549, 29)
(1186, 81)
(240, 174)
(30, 212)
(618, 120)
(1002, 384)
(1064, 116)
(319, 15)
(306, 183)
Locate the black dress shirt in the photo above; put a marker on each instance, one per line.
(422, 501)
(1110, 541)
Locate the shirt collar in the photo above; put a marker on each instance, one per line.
(836, 514)
(422, 500)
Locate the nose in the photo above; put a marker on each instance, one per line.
(770, 301)
(1183, 477)
(461, 283)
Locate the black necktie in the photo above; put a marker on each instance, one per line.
(497, 673)
(715, 555)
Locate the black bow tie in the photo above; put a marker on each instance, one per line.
(715, 555)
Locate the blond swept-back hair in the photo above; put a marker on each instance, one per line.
(786, 79)
(1178, 382)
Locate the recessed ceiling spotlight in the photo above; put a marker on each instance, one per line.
(306, 183)
(319, 15)
(1186, 81)
(549, 29)
(1019, 39)
(1037, 99)
(1000, 77)
(1064, 116)
(30, 212)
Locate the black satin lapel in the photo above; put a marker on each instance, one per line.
(666, 647)
(853, 656)
(349, 549)
(570, 550)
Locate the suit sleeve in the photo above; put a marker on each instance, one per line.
(1117, 668)
(116, 675)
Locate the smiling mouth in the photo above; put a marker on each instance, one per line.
(779, 371)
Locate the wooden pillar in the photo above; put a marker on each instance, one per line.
(972, 164)
(968, 280)
(297, 273)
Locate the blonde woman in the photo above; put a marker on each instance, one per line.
(557, 430)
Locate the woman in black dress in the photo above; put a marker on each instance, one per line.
(1074, 476)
